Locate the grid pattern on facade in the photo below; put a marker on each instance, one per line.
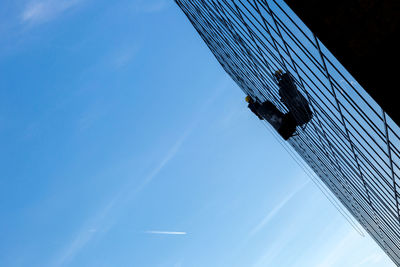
(351, 143)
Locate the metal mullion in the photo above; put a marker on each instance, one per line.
(293, 22)
(334, 79)
(288, 53)
(342, 151)
(338, 153)
(359, 110)
(385, 217)
(275, 44)
(332, 150)
(391, 164)
(368, 165)
(313, 154)
(285, 60)
(318, 48)
(339, 103)
(376, 186)
(395, 151)
(252, 37)
(389, 232)
(218, 47)
(362, 154)
(312, 81)
(381, 234)
(393, 132)
(253, 46)
(272, 38)
(339, 109)
(228, 43)
(366, 150)
(333, 65)
(339, 143)
(293, 37)
(338, 182)
(319, 150)
(367, 185)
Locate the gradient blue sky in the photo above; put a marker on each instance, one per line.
(124, 143)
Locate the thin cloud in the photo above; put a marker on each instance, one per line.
(85, 235)
(146, 6)
(276, 247)
(165, 233)
(340, 250)
(179, 263)
(124, 55)
(372, 259)
(273, 250)
(275, 210)
(44, 10)
(128, 191)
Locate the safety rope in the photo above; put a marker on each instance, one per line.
(315, 180)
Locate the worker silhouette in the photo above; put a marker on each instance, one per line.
(292, 98)
(284, 123)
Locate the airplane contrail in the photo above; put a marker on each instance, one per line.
(165, 233)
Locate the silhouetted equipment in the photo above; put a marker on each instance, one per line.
(284, 123)
(292, 98)
(350, 142)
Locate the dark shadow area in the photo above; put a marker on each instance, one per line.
(361, 34)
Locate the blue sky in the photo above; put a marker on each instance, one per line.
(124, 143)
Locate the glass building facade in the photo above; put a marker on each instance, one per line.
(351, 144)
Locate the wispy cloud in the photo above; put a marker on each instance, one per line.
(130, 190)
(86, 234)
(39, 11)
(165, 233)
(276, 246)
(373, 259)
(124, 55)
(340, 250)
(275, 210)
(346, 249)
(179, 263)
(146, 6)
